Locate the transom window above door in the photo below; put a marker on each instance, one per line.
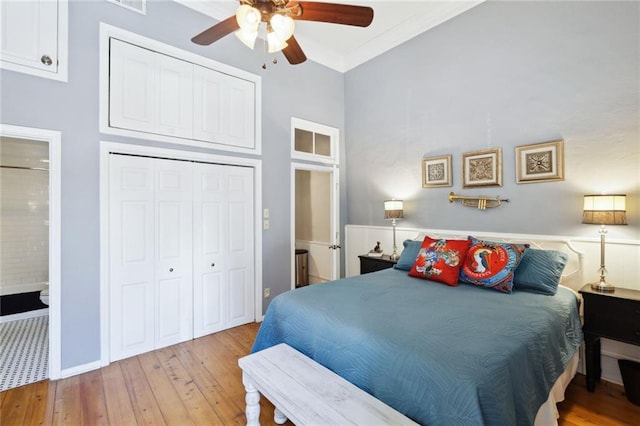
(314, 142)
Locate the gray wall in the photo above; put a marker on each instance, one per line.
(307, 91)
(501, 75)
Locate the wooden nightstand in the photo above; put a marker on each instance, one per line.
(373, 264)
(614, 315)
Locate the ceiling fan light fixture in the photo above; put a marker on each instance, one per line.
(282, 25)
(275, 43)
(247, 37)
(248, 18)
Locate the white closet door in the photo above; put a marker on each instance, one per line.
(223, 247)
(132, 260)
(173, 251)
(209, 113)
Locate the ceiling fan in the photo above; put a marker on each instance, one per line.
(279, 16)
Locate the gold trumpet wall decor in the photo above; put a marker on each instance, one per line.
(480, 202)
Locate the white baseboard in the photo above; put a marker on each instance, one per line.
(85, 368)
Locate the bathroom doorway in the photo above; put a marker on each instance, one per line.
(29, 254)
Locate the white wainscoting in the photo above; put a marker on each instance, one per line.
(622, 261)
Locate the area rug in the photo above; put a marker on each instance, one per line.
(24, 352)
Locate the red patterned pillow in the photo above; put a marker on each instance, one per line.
(440, 260)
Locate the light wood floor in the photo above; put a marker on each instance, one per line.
(199, 382)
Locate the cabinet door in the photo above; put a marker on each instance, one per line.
(132, 260)
(149, 91)
(224, 108)
(132, 87)
(241, 107)
(30, 34)
(174, 94)
(223, 260)
(173, 251)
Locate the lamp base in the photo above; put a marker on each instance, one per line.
(394, 256)
(602, 285)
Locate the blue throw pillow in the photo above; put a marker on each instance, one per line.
(408, 255)
(540, 271)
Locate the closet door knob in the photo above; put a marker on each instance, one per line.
(46, 60)
(170, 269)
(213, 264)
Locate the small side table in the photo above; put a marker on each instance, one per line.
(373, 264)
(614, 315)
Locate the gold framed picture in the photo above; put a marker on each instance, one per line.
(436, 171)
(540, 162)
(482, 168)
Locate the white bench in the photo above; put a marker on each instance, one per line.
(307, 393)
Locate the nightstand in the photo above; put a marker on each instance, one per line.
(373, 264)
(614, 315)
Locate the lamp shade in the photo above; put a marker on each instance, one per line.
(248, 18)
(605, 209)
(393, 209)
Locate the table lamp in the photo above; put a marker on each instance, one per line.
(604, 210)
(393, 210)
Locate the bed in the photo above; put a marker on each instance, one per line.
(439, 354)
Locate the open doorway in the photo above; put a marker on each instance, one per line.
(315, 225)
(30, 255)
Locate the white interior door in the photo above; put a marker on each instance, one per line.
(173, 251)
(132, 260)
(223, 263)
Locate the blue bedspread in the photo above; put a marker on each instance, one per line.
(441, 355)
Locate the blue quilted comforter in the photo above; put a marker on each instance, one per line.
(441, 355)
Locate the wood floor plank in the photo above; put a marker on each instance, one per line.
(143, 400)
(94, 409)
(41, 405)
(183, 383)
(15, 405)
(170, 403)
(203, 377)
(119, 408)
(68, 405)
(229, 409)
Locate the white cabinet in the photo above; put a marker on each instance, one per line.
(159, 94)
(181, 251)
(150, 92)
(224, 108)
(34, 37)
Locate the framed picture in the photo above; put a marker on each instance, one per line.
(436, 171)
(482, 168)
(540, 162)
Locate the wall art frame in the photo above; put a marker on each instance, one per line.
(540, 162)
(482, 168)
(436, 171)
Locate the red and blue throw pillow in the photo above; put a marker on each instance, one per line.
(440, 260)
(491, 264)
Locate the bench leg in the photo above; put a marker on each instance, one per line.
(278, 417)
(253, 402)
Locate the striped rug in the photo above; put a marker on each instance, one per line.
(24, 352)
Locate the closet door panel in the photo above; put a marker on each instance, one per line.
(241, 128)
(174, 93)
(132, 87)
(209, 113)
(173, 219)
(132, 261)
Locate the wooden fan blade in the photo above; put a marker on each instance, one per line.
(359, 16)
(293, 52)
(216, 32)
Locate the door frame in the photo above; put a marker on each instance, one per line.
(334, 214)
(54, 139)
(107, 147)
